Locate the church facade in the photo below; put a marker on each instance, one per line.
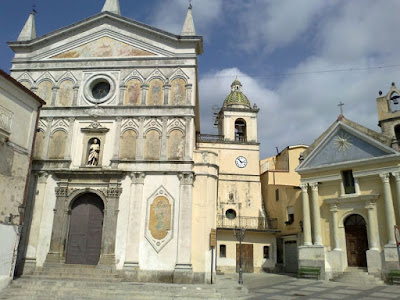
(120, 178)
(350, 186)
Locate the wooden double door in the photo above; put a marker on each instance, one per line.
(247, 258)
(85, 230)
(356, 241)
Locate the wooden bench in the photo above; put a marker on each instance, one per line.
(394, 274)
(309, 272)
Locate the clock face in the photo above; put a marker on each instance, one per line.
(241, 161)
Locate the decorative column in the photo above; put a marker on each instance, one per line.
(145, 88)
(117, 142)
(373, 230)
(75, 100)
(306, 215)
(356, 186)
(167, 88)
(397, 177)
(189, 137)
(122, 91)
(54, 95)
(134, 224)
(334, 211)
(71, 124)
(189, 94)
(164, 145)
(57, 242)
(140, 140)
(183, 260)
(389, 209)
(316, 214)
(111, 211)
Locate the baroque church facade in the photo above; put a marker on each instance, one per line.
(121, 178)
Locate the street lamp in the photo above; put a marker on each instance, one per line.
(239, 234)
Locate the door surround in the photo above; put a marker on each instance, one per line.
(356, 237)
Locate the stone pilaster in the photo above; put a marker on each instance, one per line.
(134, 224)
(75, 99)
(54, 95)
(373, 230)
(117, 142)
(189, 136)
(145, 89)
(167, 88)
(189, 94)
(389, 209)
(397, 177)
(140, 140)
(164, 142)
(306, 215)
(122, 91)
(71, 124)
(46, 141)
(107, 257)
(183, 268)
(316, 214)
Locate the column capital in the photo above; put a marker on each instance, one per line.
(370, 204)
(314, 186)
(137, 177)
(42, 176)
(396, 175)
(334, 208)
(384, 177)
(304, 187)
(186, 178)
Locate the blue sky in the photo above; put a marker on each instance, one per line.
(291, 56)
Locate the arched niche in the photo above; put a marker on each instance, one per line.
(44, 91)
(133, 92)
(178, 92)
(176, 145)
(39, 144)
(152, 145)
(58, 142)
(128, 144)
(155, 93)
(65, 93)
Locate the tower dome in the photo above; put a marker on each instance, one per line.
(236, 97)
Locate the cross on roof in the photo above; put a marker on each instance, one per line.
(190, 4)
(341, 107)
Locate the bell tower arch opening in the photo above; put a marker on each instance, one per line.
(240, 130)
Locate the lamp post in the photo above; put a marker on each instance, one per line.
(239, 234)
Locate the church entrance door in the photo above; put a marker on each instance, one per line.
(85, 230)
(356, 241)
(247, 258)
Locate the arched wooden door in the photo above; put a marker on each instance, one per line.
(356, 241)
(85, 230)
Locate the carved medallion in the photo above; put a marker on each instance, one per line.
(160, 218)
(342, 142)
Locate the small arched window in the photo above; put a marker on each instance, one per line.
(240, 130)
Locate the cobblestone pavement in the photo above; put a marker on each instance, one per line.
(279, 287)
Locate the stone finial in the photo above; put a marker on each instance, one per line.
(112, 6)
(188, 27)
(29, 31)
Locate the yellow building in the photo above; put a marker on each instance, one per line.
(350, 181)
(282, 198)
(239, 200)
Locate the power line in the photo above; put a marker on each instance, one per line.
(309, 72)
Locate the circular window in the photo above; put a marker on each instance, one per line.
(99, 88)
(230, 214)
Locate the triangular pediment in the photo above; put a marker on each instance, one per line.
(104, 47)
(344, 145)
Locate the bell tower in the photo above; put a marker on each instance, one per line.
(389, 114)
(237, 121)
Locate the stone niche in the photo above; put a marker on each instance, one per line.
(94, 131)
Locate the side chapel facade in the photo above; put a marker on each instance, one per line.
(120, 177)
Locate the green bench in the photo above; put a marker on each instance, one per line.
(309, 272)
(394, 274)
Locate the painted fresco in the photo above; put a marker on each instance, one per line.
(128, 145)
(178, 93)
(160, 218)
(175, 145)
(65, 93)
(57, 145)
(152, 145)
(44, 91)
(133, 92)
(26, 84)
(155, 93)
(104, 47)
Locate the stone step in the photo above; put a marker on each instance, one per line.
(352, 277)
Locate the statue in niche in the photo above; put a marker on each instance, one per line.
(94, 151)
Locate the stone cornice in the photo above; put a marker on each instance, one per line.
(351, 199)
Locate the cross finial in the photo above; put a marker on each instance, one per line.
(341, 107)
(34, 11)
(190, 4)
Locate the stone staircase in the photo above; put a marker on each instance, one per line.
(86, 282)
(358, 276)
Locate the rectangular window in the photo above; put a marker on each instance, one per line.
(266, 251)
(222, 250)
(348, 182)
(277, 195)
(290, 215)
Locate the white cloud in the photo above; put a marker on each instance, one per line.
(170, 15)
